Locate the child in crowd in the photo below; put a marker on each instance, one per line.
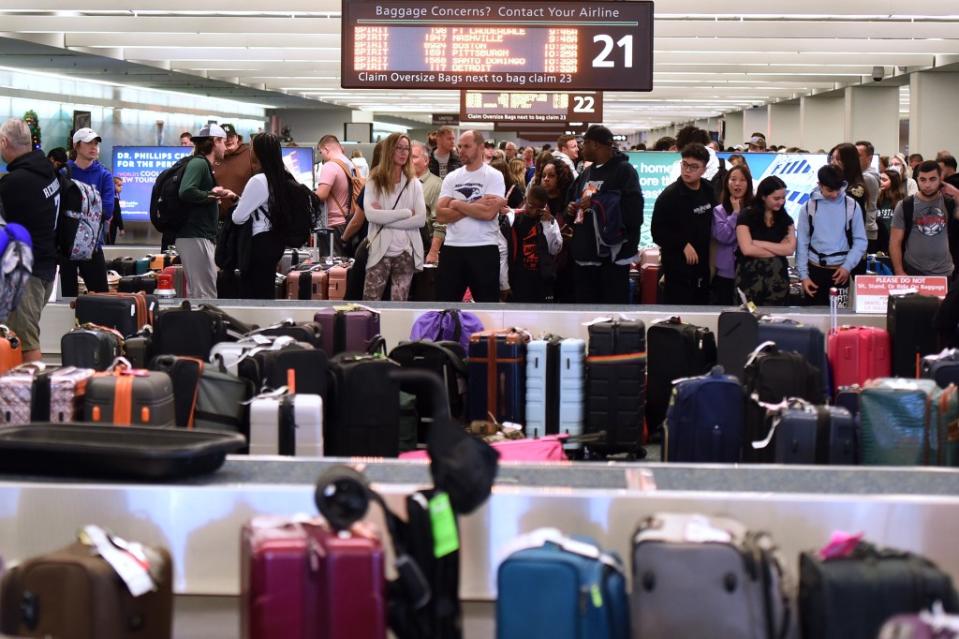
(536, 241)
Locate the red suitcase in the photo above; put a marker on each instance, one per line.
(649, 284)
(302, 580)
(179, 280)
(857, 354)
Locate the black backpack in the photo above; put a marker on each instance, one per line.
(305, 209)
(167, 213)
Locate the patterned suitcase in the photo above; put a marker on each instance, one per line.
(33, 393)
(858, 354)
(301, 580)
(348, 329)
(285, 424)
(497, 376)
(126, 396)
(555, 385)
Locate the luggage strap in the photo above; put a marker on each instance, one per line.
(614, 359)
(542, 536)
(776, 410)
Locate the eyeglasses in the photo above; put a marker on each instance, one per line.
(691, 167)
(403, 149)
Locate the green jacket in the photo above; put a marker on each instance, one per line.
(195, 189)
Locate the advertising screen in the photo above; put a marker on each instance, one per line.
(139, 167)
(558, 46)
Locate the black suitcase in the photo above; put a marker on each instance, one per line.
(88, 450)
(139, 348)
(228, 284)
(674, 350)
(616, 386)
(90, 346)
(447, 360)
(909, 321)
(876, 583)
(302, 370)
(137, 283)
(816, 435)
(309, 332)
(123, 266)
(738, 336)
(848, 397)
(113, 311)
(193, 332)
(364, 407)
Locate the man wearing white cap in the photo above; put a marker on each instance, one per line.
(200, 195)
(86, 168)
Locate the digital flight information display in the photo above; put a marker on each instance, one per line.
(539, 46)
(505, 106)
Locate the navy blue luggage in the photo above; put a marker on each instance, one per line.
(554, 587)
(497, 375)
(848, 397)
(942, 368)
(801, 433)
(790, 335)
(705, 420)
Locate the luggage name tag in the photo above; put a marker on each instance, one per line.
(129, 560)
(443, 522)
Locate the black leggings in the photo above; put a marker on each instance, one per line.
(93, 271)
(259, 281)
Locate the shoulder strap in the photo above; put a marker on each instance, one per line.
(349, 183)
(811, 206)
(850, 212)
(908, 211)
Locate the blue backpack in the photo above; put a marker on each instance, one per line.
(16, 265)
(556, 587)
(704, 422)
(606, 207)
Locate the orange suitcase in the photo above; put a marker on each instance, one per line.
(11, 353)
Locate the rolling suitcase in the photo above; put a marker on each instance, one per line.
(180, 283)
(297, 366)
(290, 258)
(546, 568)
(194, 332)
(128, 313)
(909, 321)
(130, 397)
(877, 582)
(790, 335)
(139, 348)
(858, 354)
(348, 329)
(204, 397)
(309, 283)
(308, 332)
(137, 283)
(848, 397)
(674, 350)
(91, 346)
(649, 284)
(497, 376)
(805, 434)
(301, 580)
(286, 424)
(616, 385)
(942, 368)
(337, 280)
(34, 393)
(727, 580)
(142, 266)
(11, 349)
(123, 265)
(364, 414)
(738, 336)
(555, 385)
(704, 423)
(100, 586)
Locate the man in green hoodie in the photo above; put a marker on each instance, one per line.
(199, 193)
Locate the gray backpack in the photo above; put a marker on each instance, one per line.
(16, 265)
(697, 576)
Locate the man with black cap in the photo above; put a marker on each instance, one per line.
(603, 248)
(236, 168)
(200, 195)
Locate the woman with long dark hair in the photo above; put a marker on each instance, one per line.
(737, 195)
(556, 177)
(892, 190)
(767, 236)
(846, 157)
(396, 211)
(265, 201)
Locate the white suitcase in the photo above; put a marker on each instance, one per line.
(555, 387)
(283, 424)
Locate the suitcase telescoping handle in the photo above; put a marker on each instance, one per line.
(833, 309)
(425, 385)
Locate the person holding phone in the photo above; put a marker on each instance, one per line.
(536, 241)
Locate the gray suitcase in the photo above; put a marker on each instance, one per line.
(697, 576)
(130, 397)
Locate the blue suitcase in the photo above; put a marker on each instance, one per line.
(496, 376)
(790, 335)
(704, 422)
(555, 381)
(554, 587)
(816, 435)
(848, 397)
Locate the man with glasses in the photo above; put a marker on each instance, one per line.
(682, 227)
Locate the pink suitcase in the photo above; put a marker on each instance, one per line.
(301, 580)
(337, 280)
(543, 449)
(857, 354)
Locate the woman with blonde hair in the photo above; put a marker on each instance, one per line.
(395, 209)
(898, 162)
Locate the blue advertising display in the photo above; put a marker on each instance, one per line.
(658, 169)
(139, 167)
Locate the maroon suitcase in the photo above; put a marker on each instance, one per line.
(649, 284)
(347, 330)
(302, 580)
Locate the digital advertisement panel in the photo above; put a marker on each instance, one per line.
(139, 167)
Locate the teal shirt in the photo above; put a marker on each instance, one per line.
(195, 189)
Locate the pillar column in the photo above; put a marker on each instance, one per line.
(932, 112)
(821, 121)
(785, 128)
(872, 113)
(734, 129)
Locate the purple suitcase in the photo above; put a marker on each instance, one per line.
(348, 330)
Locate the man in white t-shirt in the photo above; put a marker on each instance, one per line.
(469, 205)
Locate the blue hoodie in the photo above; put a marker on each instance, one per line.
(829, 233)
(97, 176)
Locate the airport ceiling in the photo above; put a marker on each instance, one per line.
(709, 57)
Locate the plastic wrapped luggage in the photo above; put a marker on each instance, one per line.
(674, 350)
(283, 423)
(348, 329)
(126, 396)
(99, 586)
(555, 386)
(616, 385)
(37, 393)
(497, 376)
(542, 583)
(909, 321)
(696, 576)
(704, 423)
